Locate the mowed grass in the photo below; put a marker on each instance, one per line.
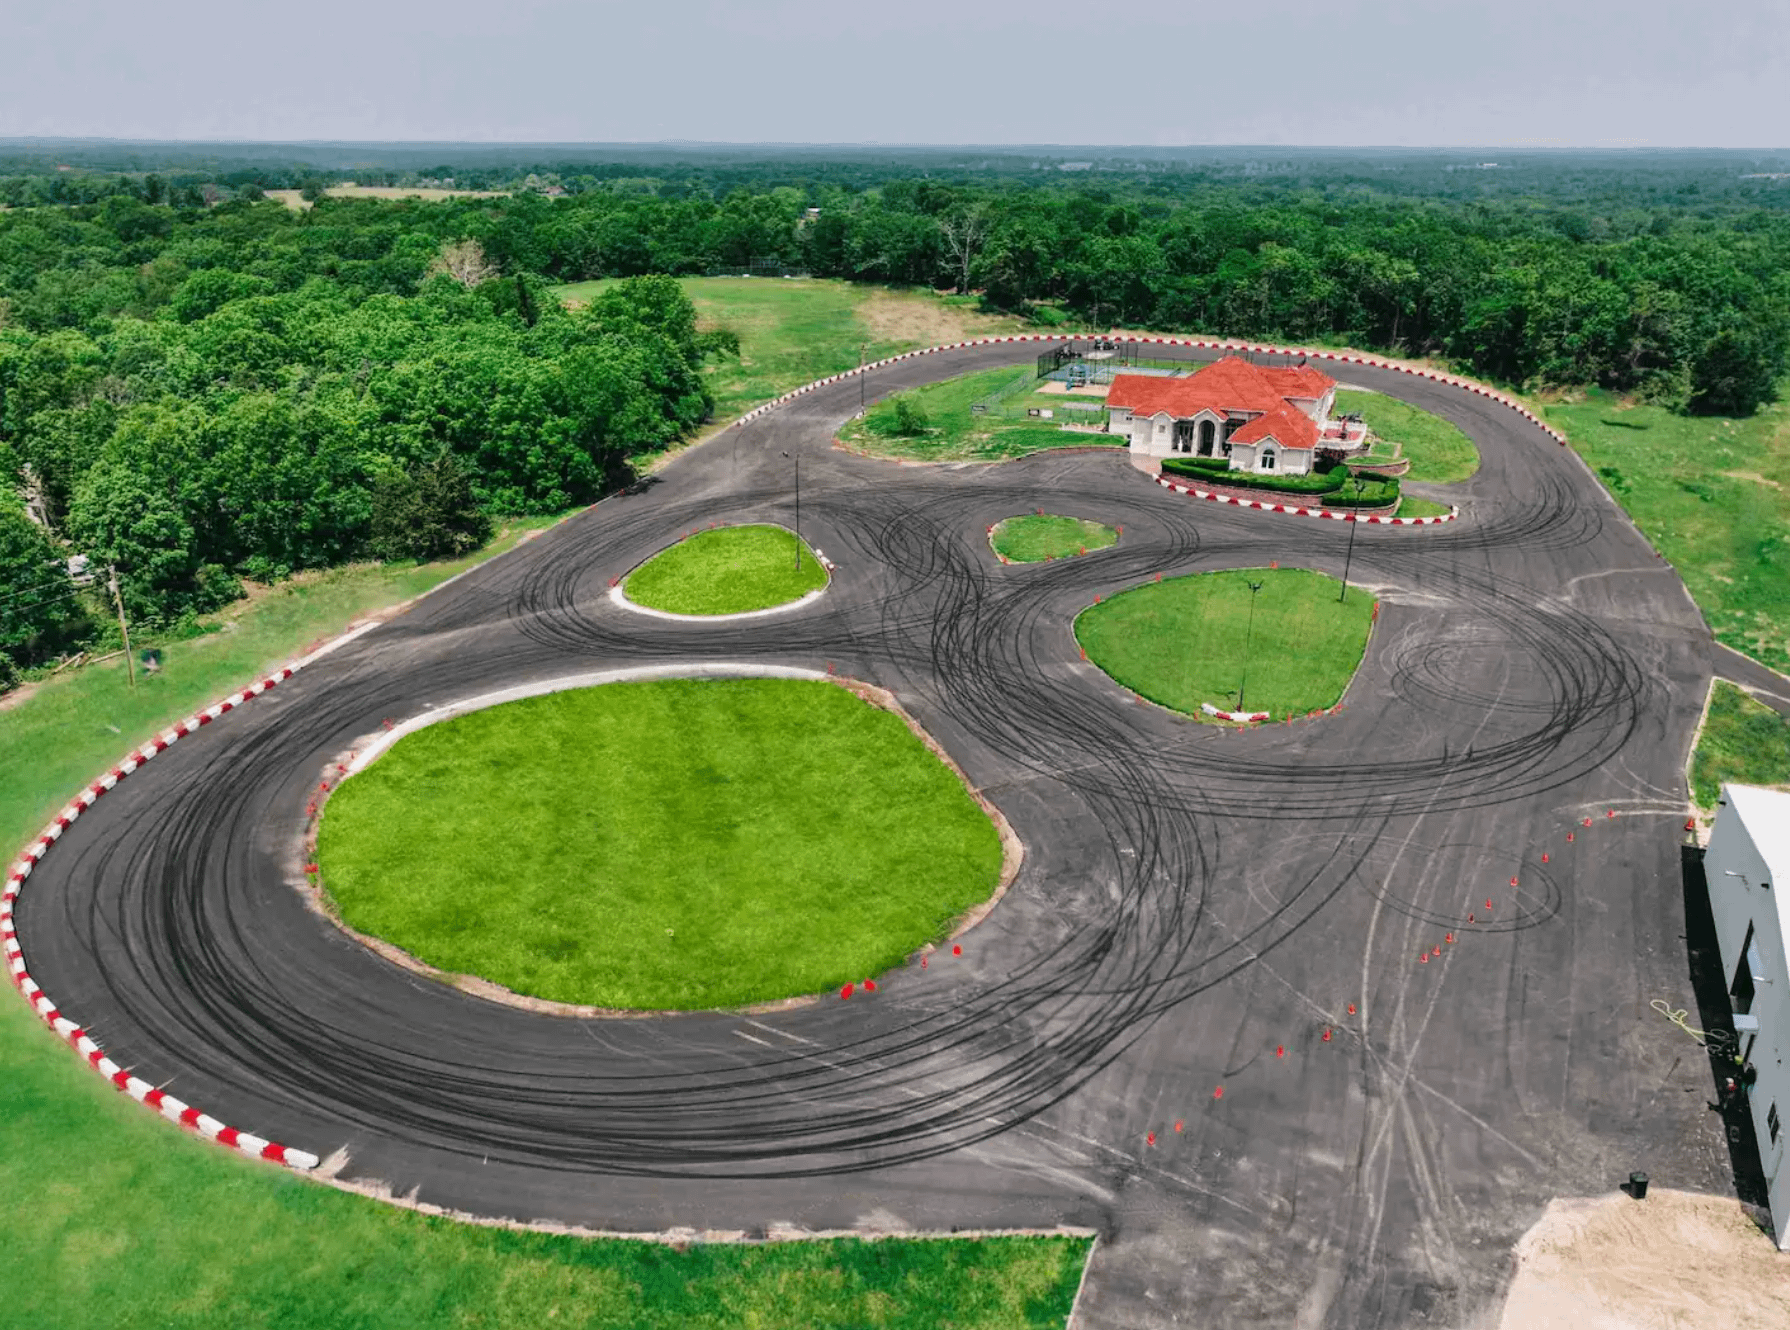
(1037, 537)
(70, 728)
(1409, 505)
(729, 841)
(134, 1222)
(793, 331)
(955, 433)
(137, 1222)
(1440, 453)
(1743, 741)
(1713, 495)
(729, 570)
(1181, 642)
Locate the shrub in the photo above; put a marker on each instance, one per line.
(1363, 492)
(910, 418)
(427, 513)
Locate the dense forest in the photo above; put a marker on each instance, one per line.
(199, 383)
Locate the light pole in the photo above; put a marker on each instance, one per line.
(862, 348)
(1348, 558)
(1248, 638)
(797, 459)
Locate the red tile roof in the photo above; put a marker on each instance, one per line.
(1231, 387)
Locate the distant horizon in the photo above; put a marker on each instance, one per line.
(850, 144)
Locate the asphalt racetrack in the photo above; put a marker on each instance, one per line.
(1196, 910)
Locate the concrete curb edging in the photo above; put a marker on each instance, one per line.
(175, 1110)
(1334, 514)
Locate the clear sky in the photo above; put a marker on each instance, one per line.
(1557, 73)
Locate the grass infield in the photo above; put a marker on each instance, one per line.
(677, 844)
(136, 1221)
(955, 433)
(730, 570)
(1439, 452)
(1411, 506)
(1042, 536)
(1743, 741)
(1181, 642)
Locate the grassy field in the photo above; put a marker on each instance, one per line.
(1743, 741)
(795, 331)
(729, 570)
(1041, 536)
(955, 433)
(136, 1223)
(1713, 495)
(57, 735)
(1439, 452)
(734, 841)
(1181, 642)
(1410, 505)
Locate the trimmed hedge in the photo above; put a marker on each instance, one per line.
(1308, 484)
(1334, 489)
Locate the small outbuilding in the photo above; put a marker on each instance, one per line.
(1748, 866)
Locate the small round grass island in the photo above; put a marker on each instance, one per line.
(677, 844)
(1036, 537)
(1186, 641)
(727, 570)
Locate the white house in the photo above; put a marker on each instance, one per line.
(1262, 419)
(1748, 864)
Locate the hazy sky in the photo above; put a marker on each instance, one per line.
(1419, 72)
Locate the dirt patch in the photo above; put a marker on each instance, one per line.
(1753, 476)
(292, 198)
(905, 316)
(1675, 1261)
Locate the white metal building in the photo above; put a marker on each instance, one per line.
(1748, 864)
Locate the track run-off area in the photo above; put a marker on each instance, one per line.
(1308, 1021)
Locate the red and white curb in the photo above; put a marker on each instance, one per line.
(1334, 514)
(1227, 344)
(1241, 717)
(135, 1086)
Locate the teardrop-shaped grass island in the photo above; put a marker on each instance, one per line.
(727, 570)
(678, 844)
(1188, 641)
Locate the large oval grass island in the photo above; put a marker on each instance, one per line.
(727, 570)
(1187, 642)
(677, 844)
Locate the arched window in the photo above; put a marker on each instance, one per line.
(1267, 459)
(1207, 430)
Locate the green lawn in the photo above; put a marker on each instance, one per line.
(729, 570)
(1410, 505)
(793, 332)
(1035, 538)
(1439, 452)
(734, 841)
(1713, 495)
(1180, 642)
(136, 1221)
(955, 433)
(1743, 741)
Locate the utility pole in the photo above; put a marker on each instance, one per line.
(123, 627)
(1248, 638)
(797, 459)
(1348, 558)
